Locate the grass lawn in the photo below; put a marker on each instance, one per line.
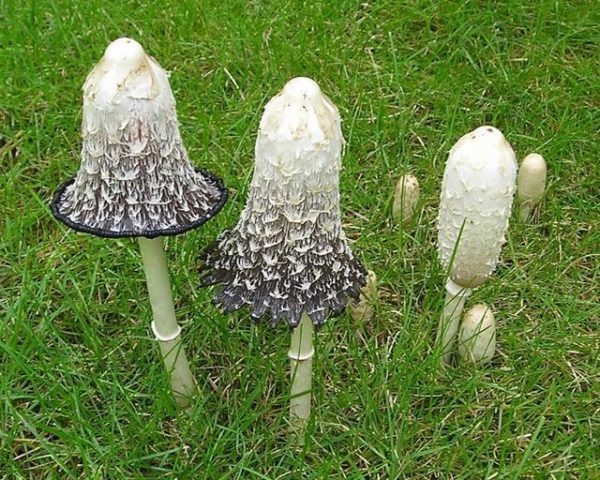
(83, 393)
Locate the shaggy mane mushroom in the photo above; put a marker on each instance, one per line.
(288, 256)
(476, 199)
(136, 180)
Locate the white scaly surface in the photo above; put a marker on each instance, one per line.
(288, 252)
(477, 190)
(135, 174)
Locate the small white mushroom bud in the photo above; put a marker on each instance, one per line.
(531, 184)
(406, 197)
(362, 310)
(476, 199)
(477, 335)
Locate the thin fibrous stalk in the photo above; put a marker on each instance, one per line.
(301, 353)
(450, 319)
(164, 324)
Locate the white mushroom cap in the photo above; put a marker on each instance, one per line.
(532, 179)
(477, 192)
(135, 177)
(288, 254)
(477, 335)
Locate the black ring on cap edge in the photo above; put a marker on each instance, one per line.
(99, 232)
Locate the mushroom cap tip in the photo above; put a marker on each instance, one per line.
(487, 131)
(535, 162)
(482, 137)
(124, 51)
(487, 128)
(302, 87)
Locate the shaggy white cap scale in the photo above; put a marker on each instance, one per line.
(477, 193)
(288, 252)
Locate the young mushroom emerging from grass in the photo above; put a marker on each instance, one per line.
(362, 310)
(288, 256)
(477, 335)
(136, 180)
(476, 199)
(531, 184)
(406, 197)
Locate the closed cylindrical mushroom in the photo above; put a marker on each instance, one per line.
(406, 197)
(531, 184)
(477, 335)
(476, 200)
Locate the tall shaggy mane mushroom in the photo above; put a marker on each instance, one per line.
(288, 254)
(136, 180)
(475, 205)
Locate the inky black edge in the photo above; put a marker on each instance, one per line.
(99, 232)
(266, 318)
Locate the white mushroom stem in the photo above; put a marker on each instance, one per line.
(450, 320)
(164, 324)
(531, 183)
(301, 354)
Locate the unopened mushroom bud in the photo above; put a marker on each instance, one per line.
(476, 199)
(406, 197)
(477, 335)
(362, 310)
(531, 184)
